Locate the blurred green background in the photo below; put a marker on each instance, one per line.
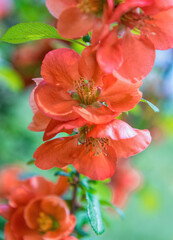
(149, 212)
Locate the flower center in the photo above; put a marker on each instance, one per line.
(96, 145)
(86, 91)
(46, 223)
(136, 21)
(91, 6)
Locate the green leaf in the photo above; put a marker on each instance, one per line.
(118, 210)
(25, 32)
(94, 213)
(155, 109)
(30, 162)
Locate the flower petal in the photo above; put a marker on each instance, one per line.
(88, 66)
(129, 147)
(73, 23)
(56, 7)
(60, 67)
(56, 126)
(137, 51)
(116, 130)
(110, 54)
(161, 30)
(97, 167)
(56, 153)
(120, 95)
(96, 115)
(55, 103)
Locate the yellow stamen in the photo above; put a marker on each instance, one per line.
(45, 222)
(91, 6)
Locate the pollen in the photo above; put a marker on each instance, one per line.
(91, 6)
(96, 145)
(45, 222)
(86, 90)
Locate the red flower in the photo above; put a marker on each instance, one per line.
(125, 180)
(93, 151)
(74, 87)
(36, 212)
(142, 27)
(77, 18)
(9, 180)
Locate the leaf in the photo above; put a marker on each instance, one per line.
(118, 210)
(94, 213)
(155, 109)
(30, 162)
(25, 32)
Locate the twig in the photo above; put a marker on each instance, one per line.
(75, 185)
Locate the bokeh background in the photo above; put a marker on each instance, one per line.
(149, 211)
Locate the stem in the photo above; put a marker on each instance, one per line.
(75, 41)
(75, 185)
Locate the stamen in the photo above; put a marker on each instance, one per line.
(91, 6)
(96, 145)
(46, 223)
(86, 90)
(137, 21)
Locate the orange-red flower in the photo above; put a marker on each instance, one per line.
(35, 211)
(94, 150)
(141, 27)
(77, 17)
(9, 180)
(75, 88)
(125, 180)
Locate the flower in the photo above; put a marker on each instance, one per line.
(9, 179)
(125, 180)
(35, 211)
(75, 88)
(77, 18)
(5, 8)
(141, 28)
(93, 150)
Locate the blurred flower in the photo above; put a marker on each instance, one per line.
(9, 180)
(6, 7)
(125, 180)
(35, 211)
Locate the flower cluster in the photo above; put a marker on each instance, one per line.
(85, 95)
(35, 209)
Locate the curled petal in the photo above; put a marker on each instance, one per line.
(55, 103)
(129, 147)
(116, 130)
